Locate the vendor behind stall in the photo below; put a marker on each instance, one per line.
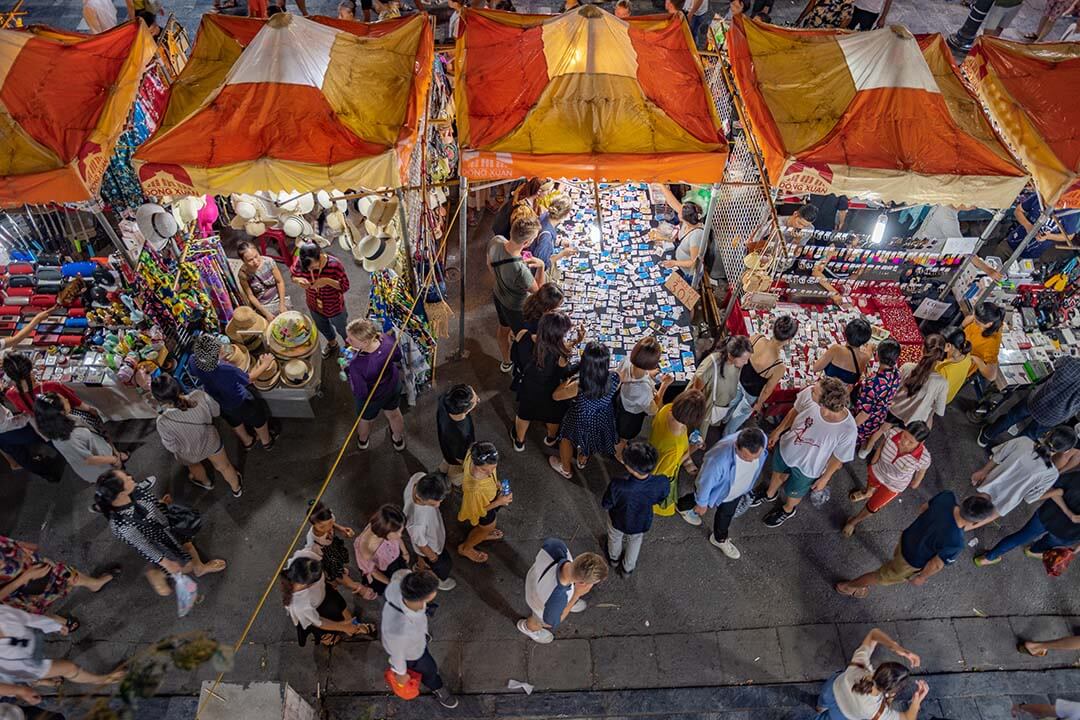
(1057, 229)
(831, 212)
(690, 238)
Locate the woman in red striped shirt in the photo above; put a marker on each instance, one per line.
(900, 462)
(325, 283)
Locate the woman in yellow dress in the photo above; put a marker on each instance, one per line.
(983, 331)
(670, 437)
(481, 500)
(959, 363)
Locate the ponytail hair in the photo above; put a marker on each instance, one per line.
(933, 353)
(1053, 441)
(889, 679)
(992, 314)
(731, 347)
(109, 486)
(955, 337)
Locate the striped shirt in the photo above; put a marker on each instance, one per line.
(325, 300)
(896, 471)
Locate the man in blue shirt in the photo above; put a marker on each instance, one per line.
(228, 385)
(728, 472)
(934, 540)
(629, 500)
(555, 587)
(1056, 229)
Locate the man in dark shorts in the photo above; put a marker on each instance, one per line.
(934, 540)
(513, 280)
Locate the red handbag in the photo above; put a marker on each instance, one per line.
(1056, 561)
(408, 691)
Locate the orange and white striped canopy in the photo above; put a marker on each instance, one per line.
(291, 104)
(584, 94)
(1032, 93)
(878, 115)
(64, 99)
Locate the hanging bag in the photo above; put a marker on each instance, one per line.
(408, 691)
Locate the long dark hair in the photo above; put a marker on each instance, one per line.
(1055, 440)
(108, 488)
(52, 419)
(956, 337)
(732, 347)
(991, 313)
(595, 370)
(166, 389)
(889, 679)
(551, 337)
(933, 353)
(387, 519)
(20, 371)
(547, 297)
(301, 571)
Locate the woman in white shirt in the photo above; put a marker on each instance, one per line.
(690, 251)
(862, 693)
(315, 607)
(717, 378)
(1023, 470)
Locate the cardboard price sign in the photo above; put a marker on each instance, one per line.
(682, 291)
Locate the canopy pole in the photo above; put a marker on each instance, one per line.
(708, 228)
(599, 213)
(994, 222)
(1048, 209)
(463, 248)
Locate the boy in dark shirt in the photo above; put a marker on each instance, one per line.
(455, 429)
(629, 500)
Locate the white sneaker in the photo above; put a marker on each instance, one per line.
(864, 453)
(727, 547)
(579, 606)
(542, 636)
(691, 517)
(447, 584)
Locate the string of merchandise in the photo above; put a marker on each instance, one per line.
(120, 187)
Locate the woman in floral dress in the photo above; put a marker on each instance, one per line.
(34, 583)
(876, 393)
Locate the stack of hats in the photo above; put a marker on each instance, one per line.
(297, 373)
(268, 379)
(237, 355)
(246, 327)
(291, 337)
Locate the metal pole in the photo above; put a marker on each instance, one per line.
(994, 221)
(1048, 208)
(111, 233)
(960, 41)
(708, 233)
(463, 247)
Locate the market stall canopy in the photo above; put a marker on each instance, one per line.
(64, 100)
(291, 104)
(585, 95)
(1031, 92)
(878, 115)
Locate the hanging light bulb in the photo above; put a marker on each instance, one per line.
(879, 229)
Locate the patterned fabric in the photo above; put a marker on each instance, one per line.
(829, 14)
(414, 365)
(875, 396)
(207, 352)
(142, 525)
(590, 422)
(1058, 399)
(16, 559)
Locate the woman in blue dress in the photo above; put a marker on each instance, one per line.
(589, 424)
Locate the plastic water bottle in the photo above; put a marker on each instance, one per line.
(505, 486)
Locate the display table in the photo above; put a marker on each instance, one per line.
(293, 402)
(614, 285)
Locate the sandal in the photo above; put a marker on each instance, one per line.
(1022, 647)
(856, 593)
(983, 561)
(249, 446)
(857, 495)
(556, 465)
(196, 483)
(159, 583)
(476, 556)
(367, 631)
(72, 624)
(331, 639)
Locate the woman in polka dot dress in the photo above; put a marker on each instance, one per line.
(589, 425)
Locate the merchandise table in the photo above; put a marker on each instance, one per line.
(614, 285)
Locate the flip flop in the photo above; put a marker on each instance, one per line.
(1022, 648)
(858, 593)
(160, 585)
(249, 446)
(214, 566)
(477, 556)
(196, 483)
(848, 530)
(72, 624)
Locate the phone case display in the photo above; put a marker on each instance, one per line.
(614, 284)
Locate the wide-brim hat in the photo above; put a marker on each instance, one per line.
(391, 229)
(186, 209)
(301, 350)
(246, 326)
(156, 224)
(297, 373)
(268, 379)
(237, 355)
(378, 252)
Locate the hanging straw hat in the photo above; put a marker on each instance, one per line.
(186, 209)
(246, 327)
(269, 378)
(156, 224)
(238, 355)
(383, 210)
(297, 373)
(291, 334)
(378, 251)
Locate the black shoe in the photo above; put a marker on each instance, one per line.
(778, 517)
(398, 443)
(550, 441)
(519, 446)
(756, 499)
(240, 489)
(445, 699)
(982, 439)
(624, 572)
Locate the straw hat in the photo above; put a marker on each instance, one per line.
(377, 251)
(297, 373)
(291, 334)
(384, 210)
(156, 224)
(269, 378)
(246, 327)
(238, 355)
(254, 228)
(295, 226)
(244, 206)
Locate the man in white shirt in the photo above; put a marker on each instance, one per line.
(404, 631)
(697, 14)
(555, 587)
(817, 436)
(423, 495)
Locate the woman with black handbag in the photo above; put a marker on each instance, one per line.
(160, 530)
(185, 424)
